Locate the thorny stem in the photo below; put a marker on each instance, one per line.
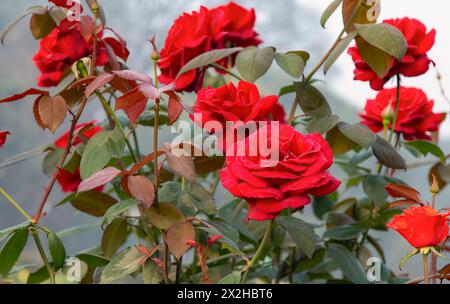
(155, 131)
(37, 240)
(258, 252)
(15, 204)
(73, 124)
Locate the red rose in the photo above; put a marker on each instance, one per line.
(415, 116)
(236, 103)
(201, 31)
(66, 45)
(421, 226)
(69, 181)
(414, 63)
(62, 141)
(3, 135)
(300, 172)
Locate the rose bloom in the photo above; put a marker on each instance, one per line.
(421, 226)
(3, 135)
(69, 181)
(415, 118)
(414, 63)
(300, 172)
(236, 103)
(201, 31)
(66, 45)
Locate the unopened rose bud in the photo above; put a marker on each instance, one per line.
(155, 53)
(388, 113)
(81, 67)
(434, 187)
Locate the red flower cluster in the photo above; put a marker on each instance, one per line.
(69, 181)
(415, 116)
(300, 171)
(66, 44)
(421, 226)
(201, 31)
(414, 63)
(3, 135)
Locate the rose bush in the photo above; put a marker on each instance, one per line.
(241, 211)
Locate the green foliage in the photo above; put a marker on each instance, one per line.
(12, 249)
(253, 62)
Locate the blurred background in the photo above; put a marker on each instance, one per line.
(288, 25)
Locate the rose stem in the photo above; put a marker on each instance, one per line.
(74, 121)
(425, 269)
(397, 105)
(258, 252)
(37, 240)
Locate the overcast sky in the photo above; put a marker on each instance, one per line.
(434, 14)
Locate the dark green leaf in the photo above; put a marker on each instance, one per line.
(331, 8)
(118, 209)
(373, 186)
(124, 264)
(387, 155)
(348, 263)
(343, 233)
(114, 236)
(151, 274)
(11, 250)
(232, 278)
(93, 202)
(312, 102)
(424, 148)
(56, 248)
(93, 260)
(357, 133)
(301, 232)
(322, 205)
(323, 124)
(164, 215)
(338, 50)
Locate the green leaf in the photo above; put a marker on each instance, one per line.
(357, 133)
(151, 274)
(38, 9)
(8, 231)
(225, 241)
(253, 62)
(407, 257)
(169, 192)
(348, 263)
(196, 195)
(286, 90)
(99, 150)
(339, 143)
(232, 278)
(38, 276)
(301, 232)
(114, 236)
(312, 102)
(124, 264)
(322, 205)
(304, 54)
(207, 58)
(338, 50)
(331, 8)
(164, 215)
(56, 248)
(93, 202)
(51, 160)
(323, 124)
(379, 61)
(118, 209)
(387, 154)
(291, 63)
(384, 37)
(11, 251)
(373, 186)
(424, 148)
(93, 260)
(41, 25)
(343, 233)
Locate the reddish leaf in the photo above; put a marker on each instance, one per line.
(133, 103)
(178, 236)
(174, 107)
(133, 75)
(119, 47)
(143, 162)
(406, 192)
(400, 203)
(3, 135)
(97, 83)
(23, 94)
(123, 85)
(37, 116)
(82, 82)
(99, 179)
(142, 189)
(181, 164)
(52, 111)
